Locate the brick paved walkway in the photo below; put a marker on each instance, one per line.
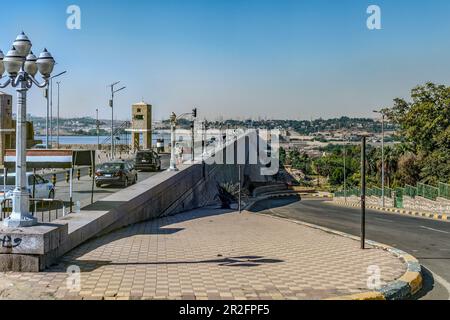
(210, 254)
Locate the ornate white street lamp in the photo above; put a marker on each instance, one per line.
(173, 127)
(21, 65)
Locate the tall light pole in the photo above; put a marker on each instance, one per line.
(345, 169)
(51, 107)
(47, 133)
(57, 117)
(383, 195)
(97, 123)
(194, 116)
(363, 193)
(111, 104)
(21, 66)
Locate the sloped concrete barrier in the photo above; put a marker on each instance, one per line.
(194, 186)
(34, 249)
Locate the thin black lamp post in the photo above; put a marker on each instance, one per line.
(240, 189)
(363, 193)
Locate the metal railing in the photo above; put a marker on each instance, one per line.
(428, 192)
(118, 132)
(373, 192)
(411, 191)
(444, 190)
(45, 210)
(378, 192)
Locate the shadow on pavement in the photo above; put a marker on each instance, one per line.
(249, 262)
(274, 203)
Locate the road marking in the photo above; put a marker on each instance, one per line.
(435, 230)
(442, 282)
(384, 220)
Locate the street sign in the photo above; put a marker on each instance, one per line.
(42, 159)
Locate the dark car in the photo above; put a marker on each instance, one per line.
(147, 160)
(116, 173)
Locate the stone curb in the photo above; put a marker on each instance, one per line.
(403, 288)
(434, 216)
(316, 195)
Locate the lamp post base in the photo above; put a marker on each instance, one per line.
(173, 169)
(24, 222)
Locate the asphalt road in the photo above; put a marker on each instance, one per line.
(426, 239)
(82, 188)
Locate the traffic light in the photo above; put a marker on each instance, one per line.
(194, 113)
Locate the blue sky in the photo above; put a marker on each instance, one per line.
(238, 58)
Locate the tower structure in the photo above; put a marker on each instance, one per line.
(141, 126)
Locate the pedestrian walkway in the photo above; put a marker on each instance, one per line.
(210, 254)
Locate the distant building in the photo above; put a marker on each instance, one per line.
(8, 125)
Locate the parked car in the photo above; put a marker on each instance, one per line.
(43, 189)
(116, 173)
(147, 160)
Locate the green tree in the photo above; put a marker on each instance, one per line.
(425, 127)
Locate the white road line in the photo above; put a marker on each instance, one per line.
(435, 230)
(384, 220)
(442, 282)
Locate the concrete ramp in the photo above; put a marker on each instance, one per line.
(168, 193)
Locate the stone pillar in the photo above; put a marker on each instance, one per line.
(136, 141)
(147, 140)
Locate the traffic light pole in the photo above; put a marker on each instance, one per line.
(193, 142)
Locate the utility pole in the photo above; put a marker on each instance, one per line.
(345, 171)
(46, 94)
(111, 104)
(363, 193)
(383, 165)
(51, 113)
(98, 129)
(57, 118)
(51, 107)
(383, 168)
(240, 189)
(194, 116)
(204, 138)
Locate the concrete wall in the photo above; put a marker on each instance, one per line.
(371, 201)
(418, 204)
(441, 205)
